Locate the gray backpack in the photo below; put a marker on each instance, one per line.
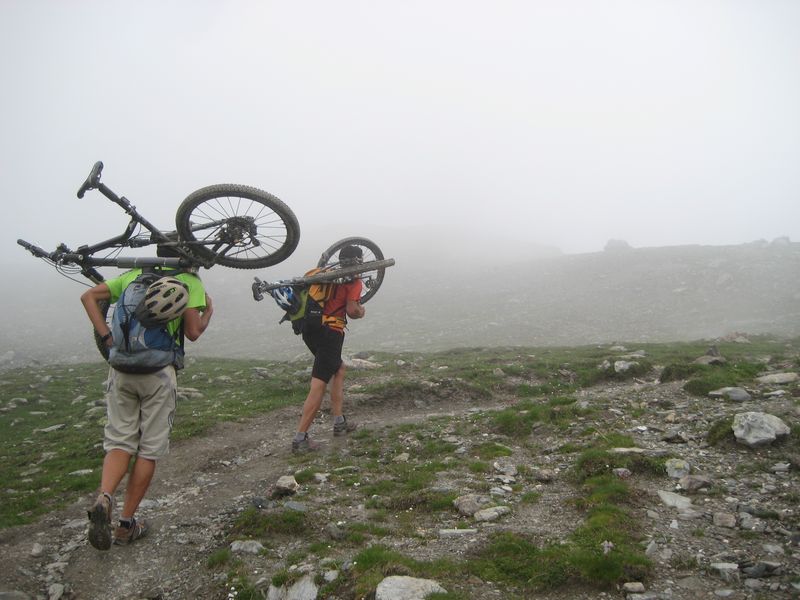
(137, 348)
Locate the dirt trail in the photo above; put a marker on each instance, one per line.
(196, 489)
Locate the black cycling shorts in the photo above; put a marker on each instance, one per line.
(326, 346)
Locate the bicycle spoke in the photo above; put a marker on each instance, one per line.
(238, 226)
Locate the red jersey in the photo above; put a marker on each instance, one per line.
(334, 314)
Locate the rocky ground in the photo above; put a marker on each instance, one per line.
(736, 536)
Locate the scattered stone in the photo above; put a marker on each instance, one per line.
(285, 486)
(674, 500)
(469, 504)
(51, 429)
(677, 468)
(724, 520)
(756, 429)
(456, 533)
(302, 589)
(491, 514)
(693, 483)
(736, 394)
(778, 378)
(674, 436)
(246, 547)
(401, 587)
(726, 571)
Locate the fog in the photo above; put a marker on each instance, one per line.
(454, 134)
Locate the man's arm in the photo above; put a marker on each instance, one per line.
(354, 309)
(195, 321)
(91, 299)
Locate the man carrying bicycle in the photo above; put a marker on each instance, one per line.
(141, 404)
(325, 343)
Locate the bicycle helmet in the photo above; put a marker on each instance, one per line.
(351, 255)
(165, 300)
(286, 298)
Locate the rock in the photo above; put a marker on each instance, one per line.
(756, 429)
(709, 360)
(726, 571)
(469, 504)
(246, 547)
(737, 394)
(285, 486)
(724, 520)
(677, 468)
(674, 500)
(302, 589)
(778, 378)
(692, 483)
(491, 514)
(455, 533)
(401, 587)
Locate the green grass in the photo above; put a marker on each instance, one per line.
(254, 524)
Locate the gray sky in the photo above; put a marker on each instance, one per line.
(533, 122)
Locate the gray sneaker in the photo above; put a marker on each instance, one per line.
(100, 523)
(305, 445)
(128, 535)
(344, 428)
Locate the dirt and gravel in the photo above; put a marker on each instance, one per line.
(207, 482)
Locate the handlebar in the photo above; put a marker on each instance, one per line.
(93, 180)
(35, 250)
(64, 256)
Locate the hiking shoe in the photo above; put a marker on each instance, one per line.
(127, 535)
(100, 523)
(344, 428)
(305, 445)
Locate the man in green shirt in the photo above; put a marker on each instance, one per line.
(141, 409)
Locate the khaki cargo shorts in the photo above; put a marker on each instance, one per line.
(141, 410)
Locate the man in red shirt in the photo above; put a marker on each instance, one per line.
(326, 343)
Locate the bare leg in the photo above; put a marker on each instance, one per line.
(115, 465)
(337, 392)
(138, 483)
(312, 404)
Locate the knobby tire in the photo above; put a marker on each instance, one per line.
(237, 226)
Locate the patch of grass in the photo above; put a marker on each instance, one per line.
(593, 462)
(728, 375)
(256, 524)
(614, 439)
(530, 497)
(602, 552)
(491, 450)
(678, 371)
(218, 558)
(479, 467)
(721, 432)
(522, 418)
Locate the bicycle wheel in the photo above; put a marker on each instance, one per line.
(237, 226)
(101, 345)
(372, 279)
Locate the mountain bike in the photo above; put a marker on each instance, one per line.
(371, 271)
(233, 225)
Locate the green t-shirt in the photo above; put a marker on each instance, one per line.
(197, 292)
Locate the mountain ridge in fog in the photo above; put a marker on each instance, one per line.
(430, 301)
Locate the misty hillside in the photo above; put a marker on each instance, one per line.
(633, 295)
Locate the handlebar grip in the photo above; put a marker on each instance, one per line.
(35, 250)
(257, 295)
(93, 180)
